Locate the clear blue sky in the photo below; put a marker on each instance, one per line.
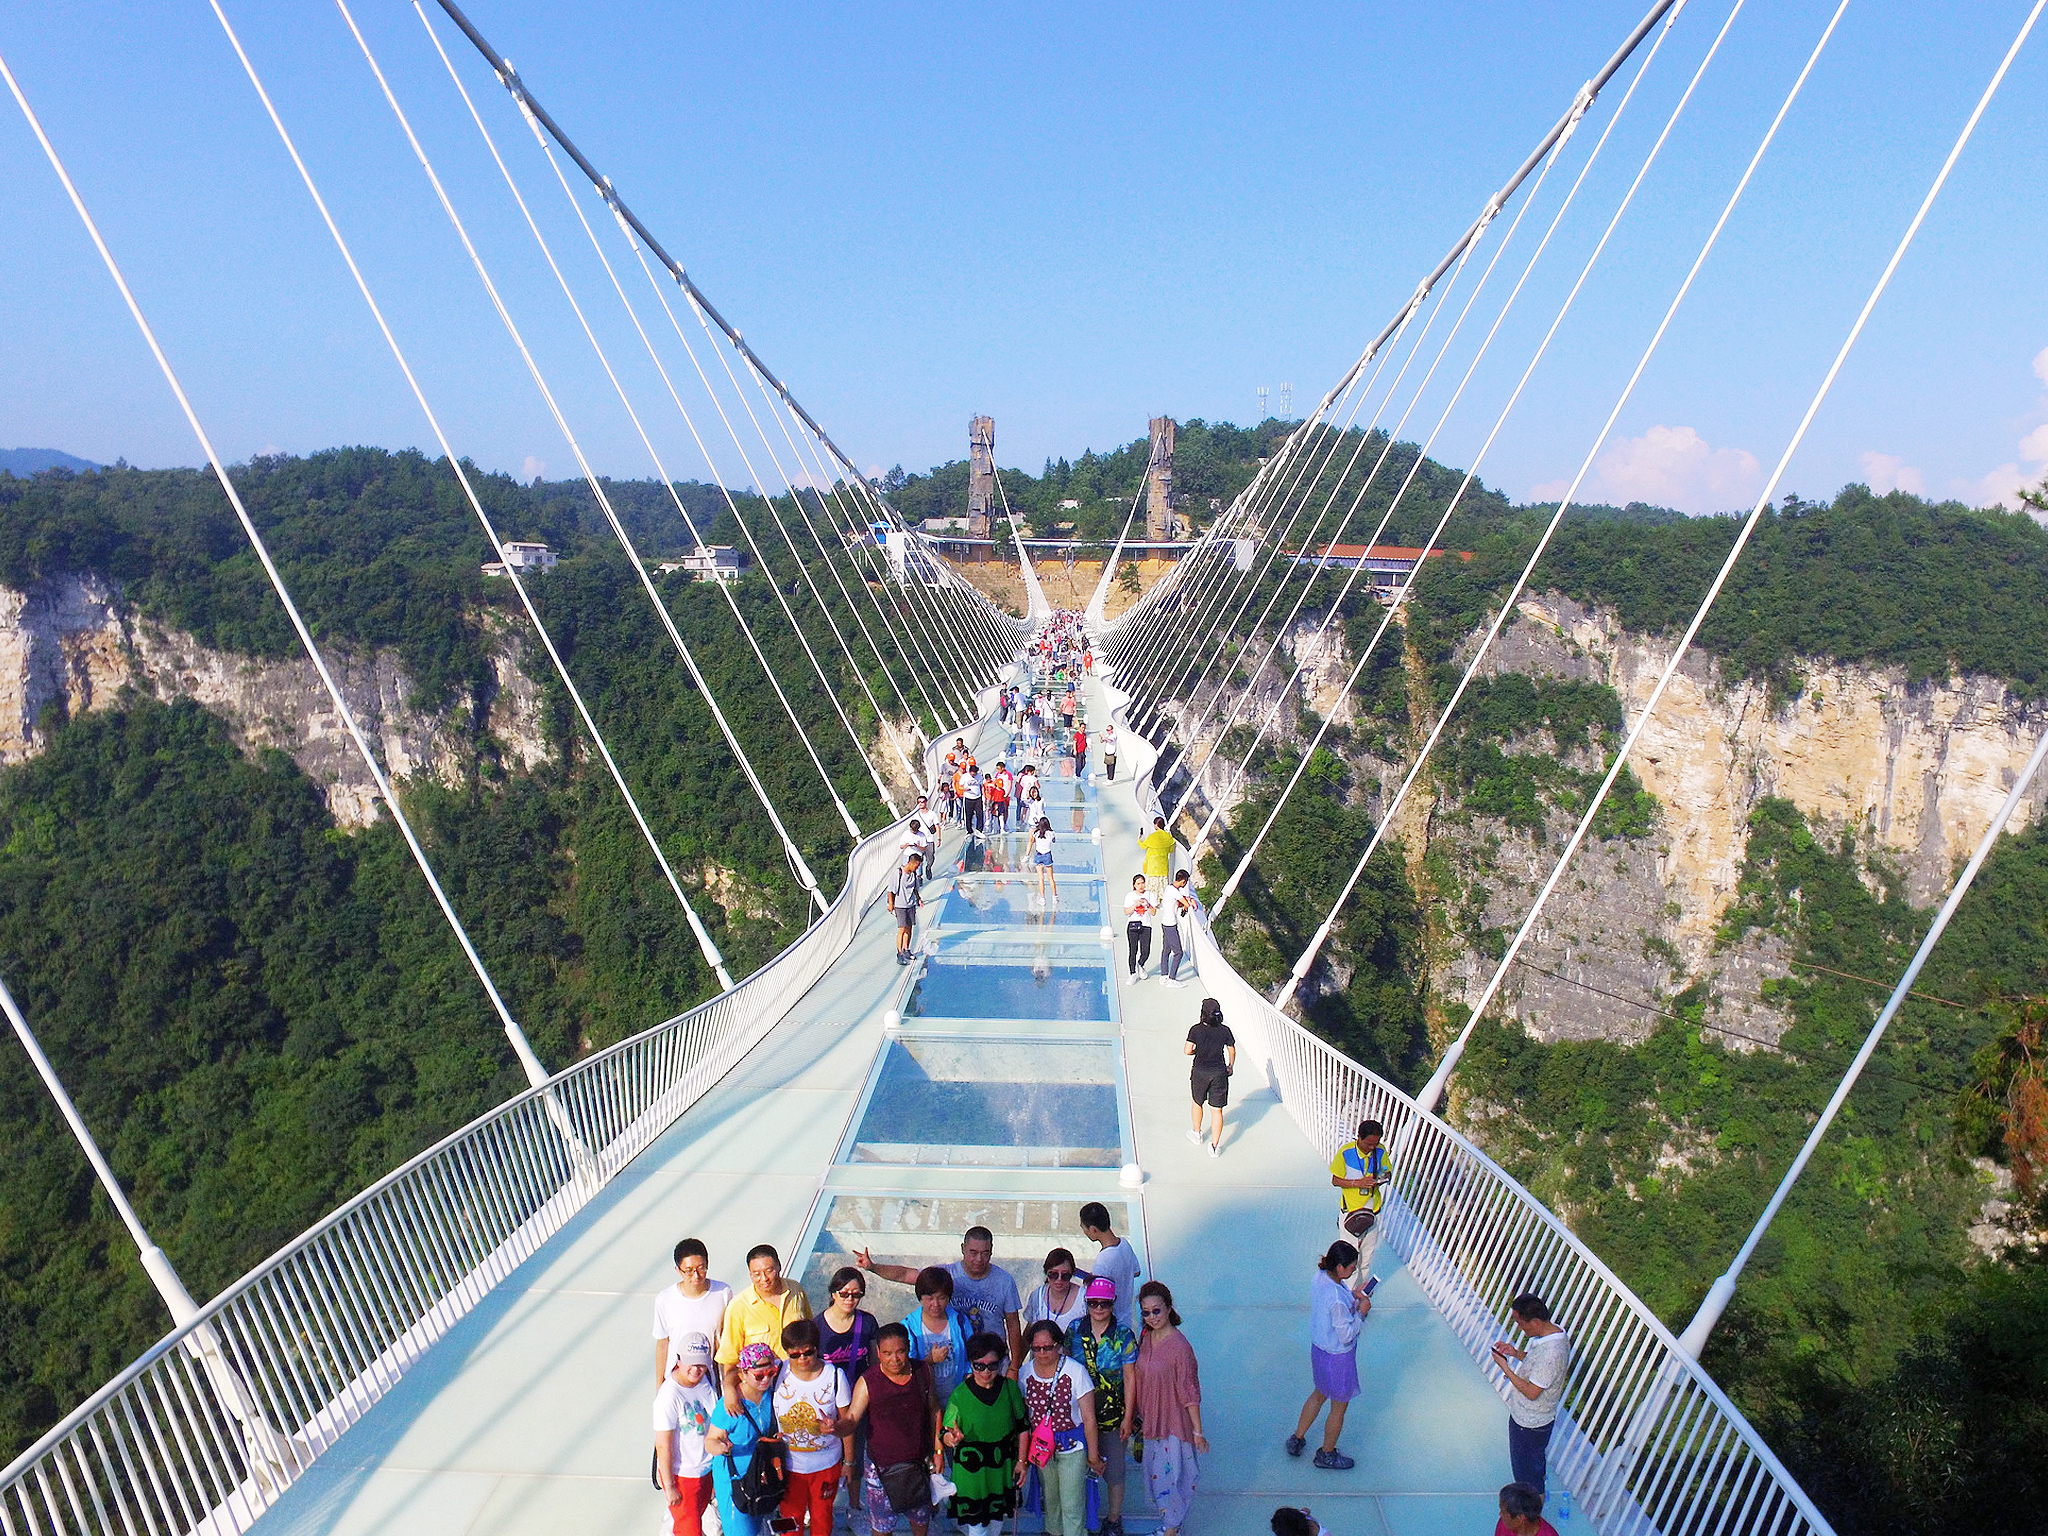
(1069, 217)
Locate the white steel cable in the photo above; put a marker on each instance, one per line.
(547, 252)
(705, 945)
(1097, 601)
(790, 850)
(1421, 457)
(1301, 966)
(1433, 1090)
(529, 1063)
(992, 634)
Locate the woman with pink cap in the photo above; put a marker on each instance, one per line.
(1108, 1352)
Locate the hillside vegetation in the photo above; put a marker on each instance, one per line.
(261, 1014)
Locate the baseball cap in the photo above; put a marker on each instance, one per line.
(1101, 1288)
(693, 1349)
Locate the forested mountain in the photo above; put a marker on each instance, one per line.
(261, 1012)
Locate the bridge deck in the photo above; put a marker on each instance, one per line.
(532, 1415)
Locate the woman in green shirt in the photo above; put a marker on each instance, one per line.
(986, 1428)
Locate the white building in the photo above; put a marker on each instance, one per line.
(525, 558)
(708, 562)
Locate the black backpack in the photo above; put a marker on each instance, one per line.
(759, 1489)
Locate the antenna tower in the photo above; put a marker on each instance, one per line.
(1287, 402)
(1263, 392)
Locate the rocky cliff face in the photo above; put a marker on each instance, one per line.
(70, 643)
(1918, 771)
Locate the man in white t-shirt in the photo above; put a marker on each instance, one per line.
(694, 1304)
(682, 1412)
(811, 1399)
(1538, 1387)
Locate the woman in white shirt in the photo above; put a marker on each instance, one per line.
(1061, 1299)
(1059, 1394)
(1042, 840)
(1139, 907)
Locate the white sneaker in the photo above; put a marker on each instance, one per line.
(1214, 1150)
(1195, 1137)
(1171, 981)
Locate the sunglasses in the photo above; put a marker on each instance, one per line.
(763, 1373)
(1045, 1349)
(803, 1354)
(851, 1293)
(1059, 1274)
(1099, 1302)
(988, 1365)
(1153, 1311)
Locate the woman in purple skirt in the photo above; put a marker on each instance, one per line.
(1337, 1312)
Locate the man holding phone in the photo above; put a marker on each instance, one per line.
(1539, 1386)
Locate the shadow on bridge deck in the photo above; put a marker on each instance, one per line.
(532, 1415)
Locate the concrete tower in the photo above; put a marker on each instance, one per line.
(981, 475)
(1160, 524)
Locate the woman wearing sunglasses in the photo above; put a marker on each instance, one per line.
(1061, 1401)
(1167, 1403)
(986, 1430)
(1059, 1300)
(846, 1335)
(738, 1424)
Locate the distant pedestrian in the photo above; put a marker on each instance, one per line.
(1080, 749)
(1175, 908)
(1214, 1049)
(1521, 1513)
(996, 790)
(1336, 1312)
(1109, 750)
(1362, 1170)
(1538, 1386)
(1139, 907)
(905, 894)
(1042, 841)
(1158, 846)
(971, 785)
(1167, 1402)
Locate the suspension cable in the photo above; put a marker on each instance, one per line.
(529, 1063)
(790, 850)
(1307, 959)
(1433, 1090)
(706, 947)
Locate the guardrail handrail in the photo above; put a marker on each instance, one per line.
(210, 1425)
(1645, 1438)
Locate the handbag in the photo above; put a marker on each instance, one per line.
(1040, 1448)
(759, 1489)
(906, 1485)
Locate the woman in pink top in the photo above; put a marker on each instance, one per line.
(1166, 1400)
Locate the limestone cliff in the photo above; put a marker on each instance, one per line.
(71, 643)
(1918, 770)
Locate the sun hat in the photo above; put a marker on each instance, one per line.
(755, 1357)
(693, 1349)
(1101, 1288)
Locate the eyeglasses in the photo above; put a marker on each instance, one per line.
(851, 1293)
(1099, 1302)
(989, 1365)
(763, 1373)
(1045, 1349)
(693, 1271)
(1059, 1274)
(1153, 1311)
(803, 1354)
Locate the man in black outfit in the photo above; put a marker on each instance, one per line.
(1214, 1049)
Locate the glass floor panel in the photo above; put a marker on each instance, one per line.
(1073, 850)
(993, 1103)
(1043, 988)
(996, 900)
(925, 1229)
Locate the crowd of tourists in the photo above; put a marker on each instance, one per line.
(976, 1400)
(979, 1400)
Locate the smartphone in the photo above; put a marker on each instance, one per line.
(1372, 1283)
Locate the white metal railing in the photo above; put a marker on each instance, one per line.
(1645, 1440)
(208, 1428)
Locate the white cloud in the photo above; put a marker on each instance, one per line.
(2034, 446)
(2003, 485)
(1884, 472)
(1676, 467)
(533, 468)
(2041, 365)
(1549, 490)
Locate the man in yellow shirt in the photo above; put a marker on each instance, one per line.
(1158, 846)
(1361, 1172)
(758, 1314)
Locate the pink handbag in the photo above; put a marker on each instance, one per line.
(1039, 1451)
